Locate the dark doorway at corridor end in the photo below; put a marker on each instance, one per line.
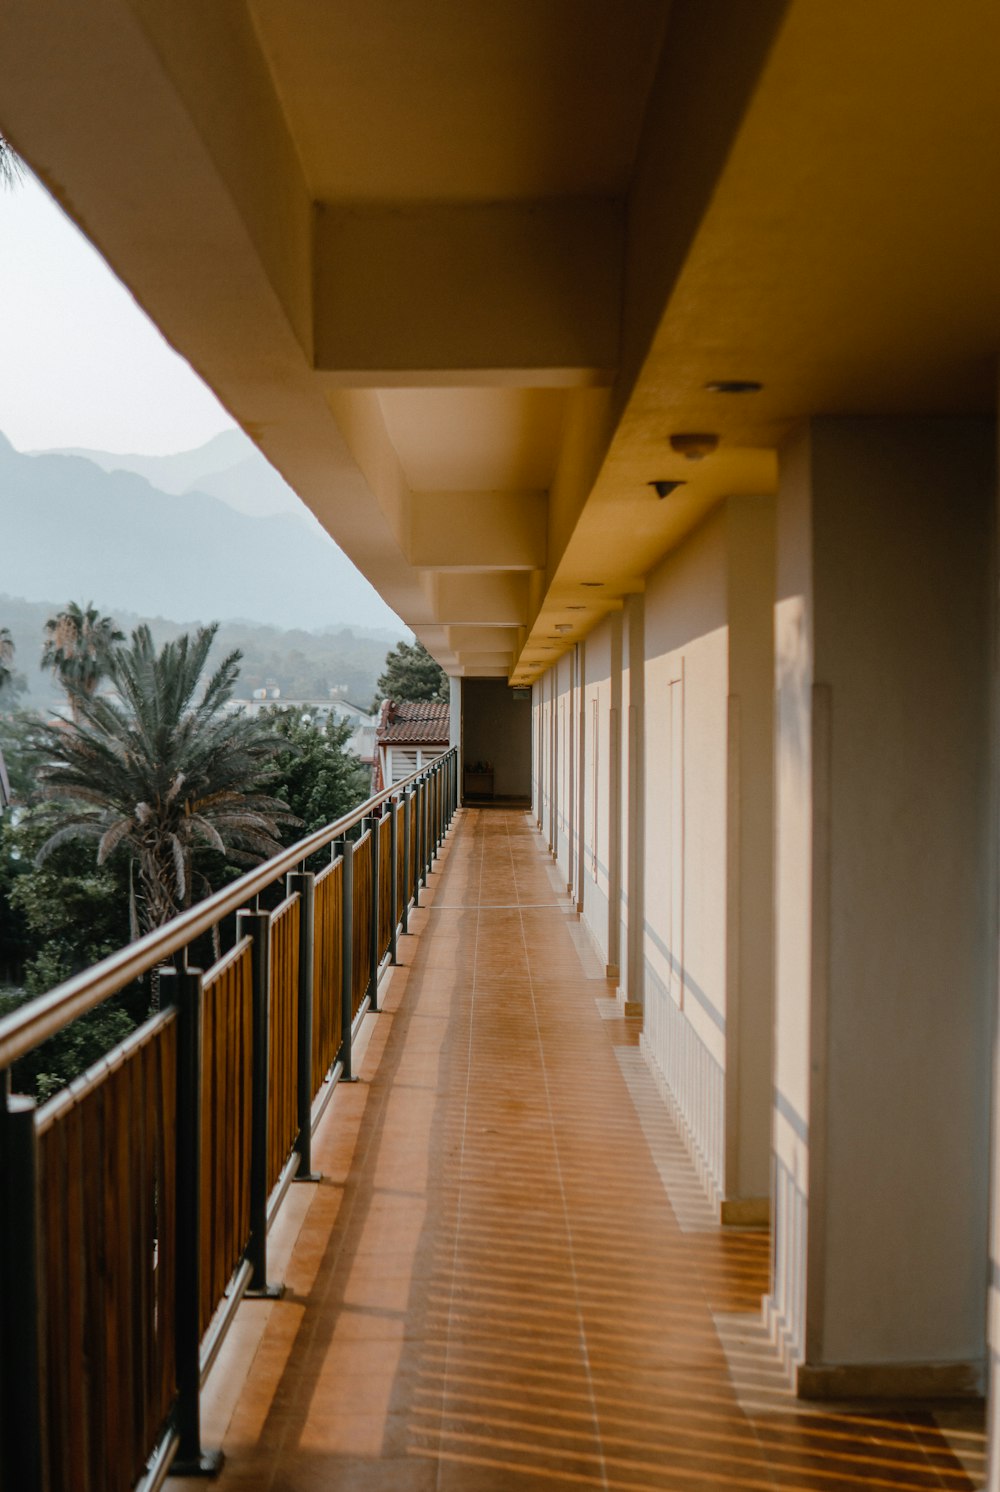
(496, 743)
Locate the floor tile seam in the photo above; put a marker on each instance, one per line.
(461, 1156)
(571, 1254)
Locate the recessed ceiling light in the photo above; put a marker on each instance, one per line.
(576, 606)
(564, 626)
(734, 386)
(591, 583)
(694, 445)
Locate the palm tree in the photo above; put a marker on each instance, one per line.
(6, 657)
(11, 165)
(161, 769)
(78, 647)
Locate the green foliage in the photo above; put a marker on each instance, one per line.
(55, 920)
(21, 745)
(411, 673)
(316, 775)
(161, 770)
(54, 1064)
(12, 684)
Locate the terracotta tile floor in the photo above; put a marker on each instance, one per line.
(490, 1288)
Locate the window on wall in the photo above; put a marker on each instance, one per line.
(404, 763)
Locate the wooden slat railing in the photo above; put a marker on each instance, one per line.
(328, 969)
(283, 1039)
(385, 908)
(362, 920)
(134, 1206)
(227, 1035)
(106, 1191)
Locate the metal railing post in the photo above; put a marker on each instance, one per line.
(393, 876)
(23, 1440)
(304, 883)
(191, 1458)
(418, 839)
(435, 810)
(422, 822)
(407, 852)
(372, 824)
(345, 848)
(257, 925)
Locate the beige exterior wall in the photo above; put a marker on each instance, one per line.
(597, 777)
(687, 683)
(693, 713)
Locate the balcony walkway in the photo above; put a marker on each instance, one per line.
(507, 1278)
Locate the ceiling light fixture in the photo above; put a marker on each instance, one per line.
(694, 446)
(734, 386)
(591, 583)
(664, 488)
(564, 626)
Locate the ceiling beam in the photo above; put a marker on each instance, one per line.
(477, 530)
(519, 293)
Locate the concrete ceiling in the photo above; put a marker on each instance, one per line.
(462, 269)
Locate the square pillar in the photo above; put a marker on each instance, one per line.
(884, 903)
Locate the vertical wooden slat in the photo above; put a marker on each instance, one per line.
(93, 1146)
(166, 1210)
(226, 1058)
(385, 885)
(283, 1055)
(52, 1174)
(412, 881)
(362, 966)
(77, 1448)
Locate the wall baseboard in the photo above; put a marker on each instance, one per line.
(902, 1381)
(745, 1212)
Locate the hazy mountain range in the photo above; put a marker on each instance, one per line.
(203, 535)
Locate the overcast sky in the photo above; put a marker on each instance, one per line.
(80, 363)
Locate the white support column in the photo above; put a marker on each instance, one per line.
(885, 903)
(614, 770)
(553, 762)
(635, 959)
(581, 782)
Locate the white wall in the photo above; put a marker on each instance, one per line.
(673, 809)
(598, 766)
(687, 684)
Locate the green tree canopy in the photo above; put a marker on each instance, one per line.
(411, 673)
(161, 770)
(12, 683)
(316, 775)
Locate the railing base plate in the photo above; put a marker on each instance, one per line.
(309, 1176)
(209, 1463)
(265, 1292)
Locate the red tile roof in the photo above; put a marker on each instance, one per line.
(414, 722)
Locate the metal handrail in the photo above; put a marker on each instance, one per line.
(31, 1024)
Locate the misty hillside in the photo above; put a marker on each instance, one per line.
(303, 665)
(70, 529)
(228, 466)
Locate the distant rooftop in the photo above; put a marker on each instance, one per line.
(414, 722)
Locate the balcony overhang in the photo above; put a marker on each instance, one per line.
(461, 273)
